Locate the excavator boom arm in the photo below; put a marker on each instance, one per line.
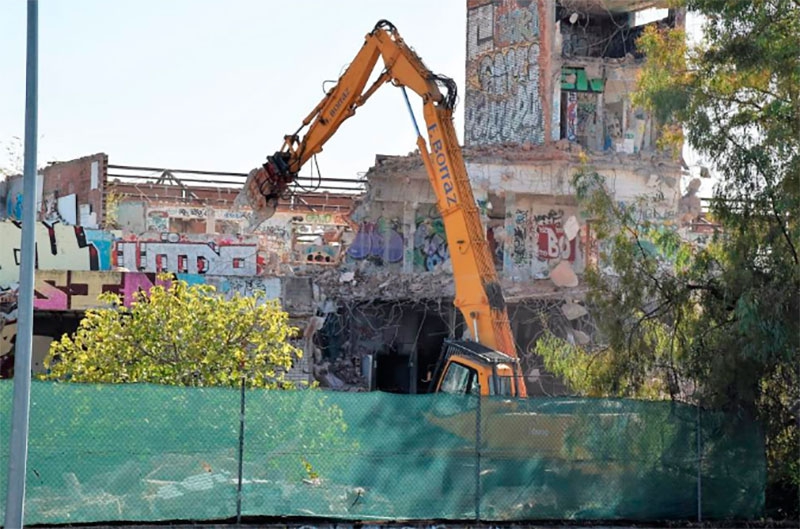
(477, 290)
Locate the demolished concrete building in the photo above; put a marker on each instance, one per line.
(366, 273)
(106, 227)
(548, 88)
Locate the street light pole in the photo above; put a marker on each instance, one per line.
(18, 446)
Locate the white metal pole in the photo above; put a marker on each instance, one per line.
(18, 446)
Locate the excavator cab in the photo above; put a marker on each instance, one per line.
(470, 368)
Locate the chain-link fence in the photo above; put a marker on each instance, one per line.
(147, 453)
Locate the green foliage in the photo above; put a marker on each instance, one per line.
(12, 155)
(189, 335)
(111, 213)
(717, 324)
(643, 298)
(179, 335)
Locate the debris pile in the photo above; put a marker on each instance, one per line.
(387, 285)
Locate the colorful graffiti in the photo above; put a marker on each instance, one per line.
(75, 290)
(503, 102)
(61, 290)
(575, 79)
(572, 116)
(379, 242)
(320, 254)
(521, 230)
(515, 23)
(542, 238)
(58, 247)
(496, 245)
(325, 218)
(430, 243)
(184, 255)
(14, 206)
(552, 240)
(157, 221)
(65, 290)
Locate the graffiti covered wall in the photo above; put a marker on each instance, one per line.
(68, 290)
(412, 242)
(379, 242)
(181, 254)
(58, 247)
(503, 101)
(542, 238)
(65, 290)
(13, 196)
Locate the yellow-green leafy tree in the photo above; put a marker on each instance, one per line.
(190, 335)
(182, 335)
(715, 324)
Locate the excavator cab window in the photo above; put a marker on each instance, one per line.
(502, 381)
(502, 386)
(460, 380)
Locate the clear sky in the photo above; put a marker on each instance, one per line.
(212, 84)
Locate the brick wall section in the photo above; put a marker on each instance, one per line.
(75, 176)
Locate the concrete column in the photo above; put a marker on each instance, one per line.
(409, 230)
(509, 269)
(210, 220)
(601, 124)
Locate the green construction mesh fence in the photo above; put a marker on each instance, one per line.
(147, 453)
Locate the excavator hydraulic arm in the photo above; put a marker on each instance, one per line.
(477, 290)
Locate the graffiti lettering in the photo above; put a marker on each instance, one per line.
(516, 25)
(321, 218)
(521, 230)
(59, 247)
(188, 257)
(65, 290)
(572, 116)
(505, 104)
(542, 236)
(503, 101)
(371, 243)
(430, 242)
(575, 79)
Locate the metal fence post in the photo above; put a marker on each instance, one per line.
(241, 453)
(478, 461)
(699, 467)
(20, 412)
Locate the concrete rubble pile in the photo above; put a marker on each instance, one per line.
(386, 285)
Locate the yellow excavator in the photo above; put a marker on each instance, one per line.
(488, 363)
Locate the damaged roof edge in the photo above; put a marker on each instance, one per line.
(612, 6)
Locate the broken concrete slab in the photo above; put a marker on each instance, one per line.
(563, 275)
(573, 311)
(572, 227)
(581, 338)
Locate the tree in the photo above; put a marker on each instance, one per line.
(189, 335)
(13, 157)
(182, 335)
(716, 324)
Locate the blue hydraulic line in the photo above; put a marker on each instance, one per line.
(411, 112)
